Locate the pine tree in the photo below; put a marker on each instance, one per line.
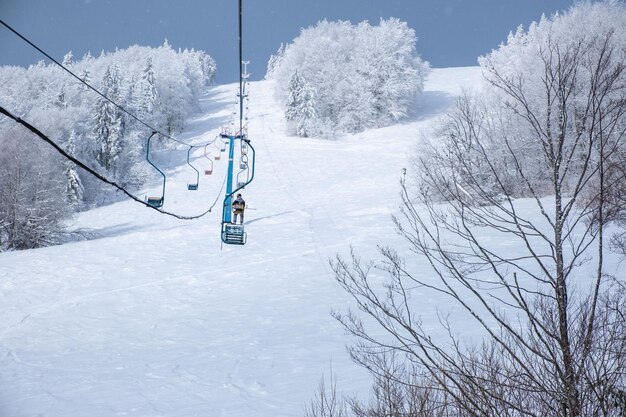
(74, 188)
(301, 108)
(146, 93)
(107, 129)
(85, 76)
(68, 60)
(307, 112)
(274, 62)
(294, 94)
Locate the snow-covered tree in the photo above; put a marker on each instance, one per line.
(300, 109)
(74, 186)
(146, 99)
(68, 60)
(307, 118)
(294, 93)
(274, 62)
(32, 197)
(362, 76)
(162, 94)
(107, 122)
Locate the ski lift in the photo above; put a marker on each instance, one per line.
(218, 150)
(242, 183)
(208, 171)
(243, 164)
(233, 234)
(192, 186)
(155, 201)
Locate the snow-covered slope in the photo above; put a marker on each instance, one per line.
(152, 317)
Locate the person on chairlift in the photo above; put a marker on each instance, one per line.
(238, 207)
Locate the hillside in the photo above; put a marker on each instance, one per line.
(150, 316)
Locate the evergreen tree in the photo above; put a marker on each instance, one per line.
(68, 60)
(146, 93)
(86, 77)
(294, 95)
(301, 111)
(274, 62)
(107, 128)
(307, 113)
(74, 187)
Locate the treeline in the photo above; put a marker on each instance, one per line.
(38, 189)
(338, 77)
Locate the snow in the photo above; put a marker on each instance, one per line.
(151, 316)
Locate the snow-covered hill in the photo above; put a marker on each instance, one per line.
(152, 317)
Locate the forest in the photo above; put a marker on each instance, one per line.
(38, 188)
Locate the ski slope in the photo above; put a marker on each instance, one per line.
(151, 316)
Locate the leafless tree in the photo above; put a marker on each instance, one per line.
(32, 195)
(327, 402)
(554, 332)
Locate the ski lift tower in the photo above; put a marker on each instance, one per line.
(231, 233)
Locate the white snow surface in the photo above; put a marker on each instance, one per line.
(153, 317)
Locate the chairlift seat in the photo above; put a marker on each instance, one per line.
(241, 184)
(243, 165)
(155, 201)
(218, 156)
(234, 234)
(208, 171)
(192, 187)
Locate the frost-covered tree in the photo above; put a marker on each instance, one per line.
(362, 75)
(107, 129)
(300, 109)
(294, 93)
(146, 99)
(274, 62)
(307, 118)
(32, 197)
(74, 187)
(58, 105)
(68, 60)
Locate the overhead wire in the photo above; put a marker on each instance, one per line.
(101, 177)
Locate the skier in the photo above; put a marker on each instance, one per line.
(238, 207)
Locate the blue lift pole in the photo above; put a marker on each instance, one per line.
(228, 203)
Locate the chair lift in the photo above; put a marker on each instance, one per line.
(242, 184)
(155, 201)
(192, 187)
(244, 149)
(218, 153)
(235, 234)
(243, 164)
(209, 170)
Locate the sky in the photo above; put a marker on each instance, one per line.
(451, 33)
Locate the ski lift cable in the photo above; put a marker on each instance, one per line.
(102, 178)
(120, 107)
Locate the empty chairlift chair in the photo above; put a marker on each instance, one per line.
(155, 201)
(192, 186)
(209, 170)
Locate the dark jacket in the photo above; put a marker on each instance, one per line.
(238, 205)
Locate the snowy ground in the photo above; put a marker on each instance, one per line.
(152, 317)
